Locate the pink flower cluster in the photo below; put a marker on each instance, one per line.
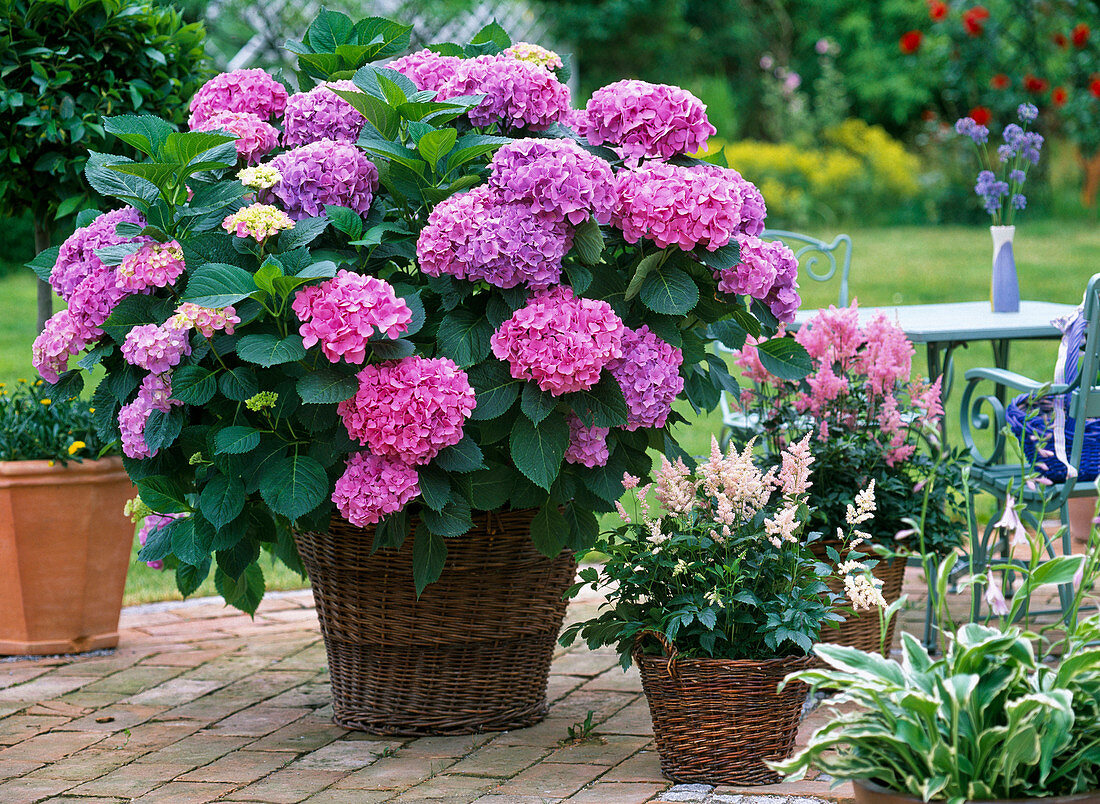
(154, 265)
(324, 172)
(343, 313)
(77, 257)
(93, 300)
(154, 394)
(647, 120)
(206, 320)
(154, 522)
(767, 270)
(155, 348)
(477, 236)
(321, 114)
(560, 341)
(753, 208)
(587, 445)
(670, 204)
(518, 94)
(554, 176)
(255, 137)
(409, 409)
(252, 91)
(372, 487)
(59, 340)
(649, 374)
(426, 69)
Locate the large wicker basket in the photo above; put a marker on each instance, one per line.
(472, 654)
(862, 629)
(718, 720)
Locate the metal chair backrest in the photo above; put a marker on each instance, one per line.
(1084, 402)
(818, 260)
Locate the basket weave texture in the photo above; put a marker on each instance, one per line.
(472, 654)
(861, 629)
(718, 720)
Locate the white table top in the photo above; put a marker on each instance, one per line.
(964, 321)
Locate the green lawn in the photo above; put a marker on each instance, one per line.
(895, 265)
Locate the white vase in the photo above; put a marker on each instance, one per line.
(1004, 289)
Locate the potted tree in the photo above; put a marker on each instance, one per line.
(64, 541)
(406, 327)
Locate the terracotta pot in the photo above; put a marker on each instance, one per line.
(1081, 512)
(64, 553)
(870, 793)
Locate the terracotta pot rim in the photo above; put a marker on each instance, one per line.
(872, 787)
(43, 467)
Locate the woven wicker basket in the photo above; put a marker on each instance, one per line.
(472, 654)
(718, 720)
(861, 629)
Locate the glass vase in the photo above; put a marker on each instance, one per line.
(1004, 292)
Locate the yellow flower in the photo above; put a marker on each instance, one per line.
(76, 446)
(91, 410)
(45, 401)
(37, 382)
(49, 463)
(22, 380)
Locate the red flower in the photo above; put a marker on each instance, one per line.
(937, 10)
(1000, 81)
(1094, 86)
(980, 115)
(1034, 84)
(974, 19)
(1060, 40)
(910, 42)
(1059, 96)
(1080, 35)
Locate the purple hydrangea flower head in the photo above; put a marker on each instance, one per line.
(321, 114)
(59, 340)
(576, 119)
(324, 172)
(155, 393)
(753, 208)
(93, 300)
(761, 263)
(557, 177)
(647, 120)
(252, 91)
(1027, 112)
(155, 348)
(478, 236)
(587, 445)
(649, 374)
(518, 94)
(426, 69)
(783, 299)
(77, 257)
(149, 524)
(373, 487)
(255, 137)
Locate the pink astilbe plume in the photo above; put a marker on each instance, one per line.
(794, 474)
(674, 488)
(887, 357)
(833, 335)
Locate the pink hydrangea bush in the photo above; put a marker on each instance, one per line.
(372, 487)
(518, 94)
(648, 371)
(426, 69)
(321, 114)
(255, 137)
(343, 313)
(587, 445)
(252, 91)
(647, 120)
(324, 172)
(555, 177)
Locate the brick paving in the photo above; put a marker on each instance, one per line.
(200, 704)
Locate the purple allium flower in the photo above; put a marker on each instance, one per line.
(59, 340)
(1030, 146)
(1013, 135)
(554, 176)
(321, 114)
(1005, 152)
(587, 445)
(255, 137)
(647, 120)
(1027, 112)
(1017, 176)
(155, 393)
(518, 94)
(426, 69)
(77, 258)
(1019, 201)
(252, 91)
(324, 172)
(155, 348)
(372, 487)
(649, 374)
(968, 128)
(478, 236)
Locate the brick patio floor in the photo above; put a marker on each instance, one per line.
(201, 703)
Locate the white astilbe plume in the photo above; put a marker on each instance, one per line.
(737, 487)
(864, 509)
(781, 528)
(674, 488)
(863, 589)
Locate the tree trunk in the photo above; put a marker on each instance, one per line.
(45, 292)
(1091, 166)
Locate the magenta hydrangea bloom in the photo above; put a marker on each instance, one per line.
(554, 176)
(674, 205)
(758, 269)
(587, 445)
(560, 341)
(154, 394)
(255, 137)
(154, 265)
(753, 208)
(206, 320)
(372, 487)
(324, 172)
(77, 258)
(477, 236)
(343, 313)
(409, 409)
(252, 91)
(783, 299)
(321, 114)
(647, 120)
(155, 348)
(649, 374)
(59, 340)
(518, 94)
(93, 300)
(576, 119)
(426, 69)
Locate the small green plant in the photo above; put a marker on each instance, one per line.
(582, 729)
(37, 426)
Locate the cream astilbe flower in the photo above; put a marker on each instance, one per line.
(674, 488)
(739, 489)
(782, 527)
(863, 589)
(864, 509)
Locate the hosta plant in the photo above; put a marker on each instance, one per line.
(409, 291)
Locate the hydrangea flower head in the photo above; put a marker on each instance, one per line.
(426, 69)
(535, 54)
(343, 313)
(153, 522)
(206, 320)
(649, 374)
(154, 265)
(155, 393)
(372, 487)
(560, 341)
(409, 409)
(478, 236)
(59, 340)
(258, 221)
(763, 267)
(647, 120)
(321, 114)
(324, 172)
(753, 208)
(93, 300)
(252, 91)
(77, 257)
(155, 348)
(554, 176)
(260, 177)
(517, 94)
(587, 445)
(255, 137)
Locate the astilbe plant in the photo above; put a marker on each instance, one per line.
(426, 297)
